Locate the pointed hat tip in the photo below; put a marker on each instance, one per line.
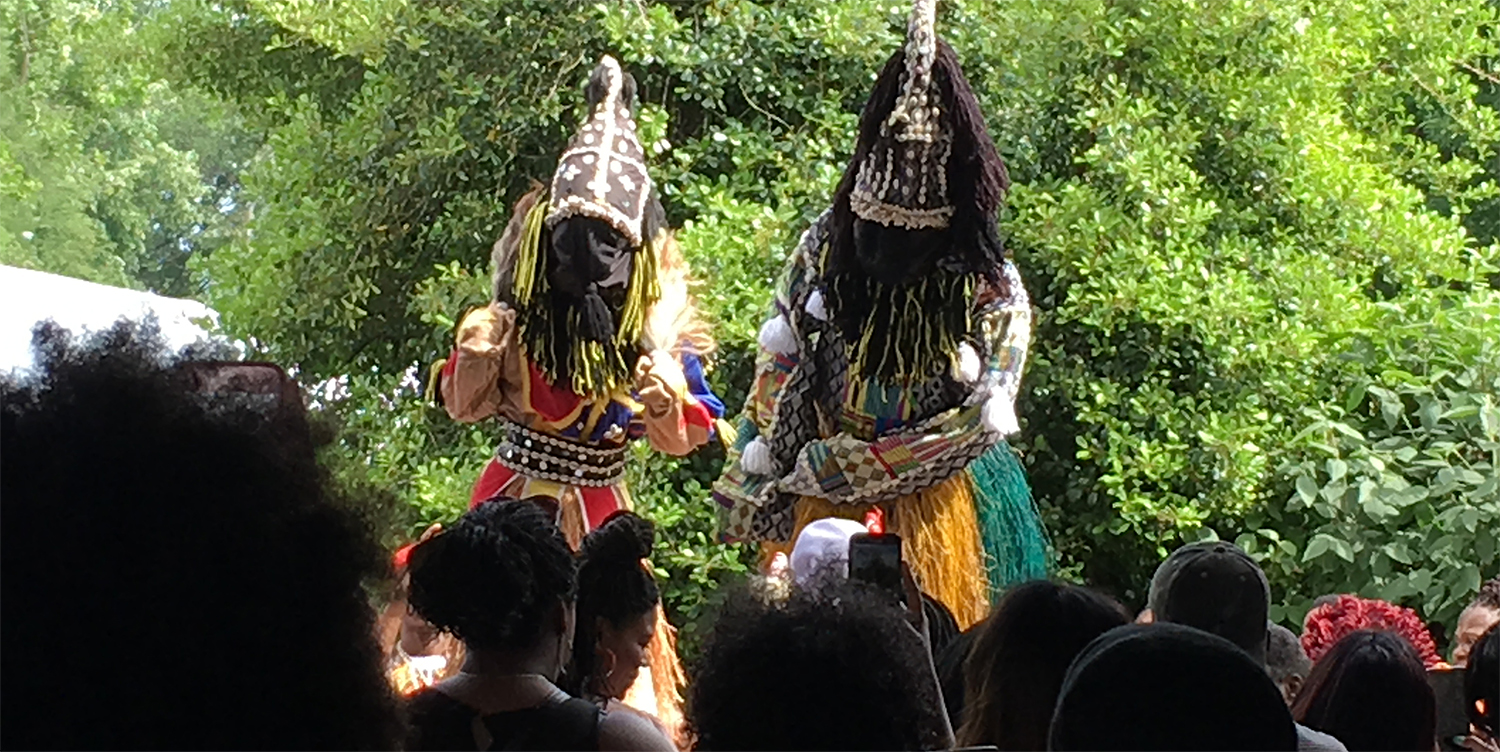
(923, 20)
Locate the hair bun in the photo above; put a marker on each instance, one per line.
(624, 536)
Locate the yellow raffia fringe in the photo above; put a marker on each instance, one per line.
(727, 433)
(644, 290)
(939, 539)
(524, 285)
(434, 375)
(811, 508)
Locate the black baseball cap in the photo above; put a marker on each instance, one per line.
(1216, 587)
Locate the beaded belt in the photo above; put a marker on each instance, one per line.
(554, 458)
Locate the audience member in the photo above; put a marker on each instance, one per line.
(1287, 662)
(1216, 587)
(1019, 657)
(618, 606)
(1482, 693)
(834, 667)
(1370, 691)
(503, 580)
(1342, 615)
(177, 572)
(1168, 687)
(821, 553)
(821, 550)
(417, 655)
(942, 625)
(141, 490)
(1478, 617)
(950, 664)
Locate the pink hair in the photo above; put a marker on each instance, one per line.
(1331, 622)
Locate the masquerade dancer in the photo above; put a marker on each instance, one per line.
(889, 369)
(591, 339)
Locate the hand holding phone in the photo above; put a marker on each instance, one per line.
(876, 559)
(1452, 719)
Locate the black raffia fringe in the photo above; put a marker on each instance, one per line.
(552, 328)
(906, 333)
(977, 176)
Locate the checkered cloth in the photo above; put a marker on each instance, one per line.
(859, 443)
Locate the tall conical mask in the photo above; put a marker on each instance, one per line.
(603, 172)
(903, 182)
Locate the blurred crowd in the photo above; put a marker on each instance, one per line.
(180, 572)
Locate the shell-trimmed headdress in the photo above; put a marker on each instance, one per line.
(903, 181)
(603, 172)
(912, 229)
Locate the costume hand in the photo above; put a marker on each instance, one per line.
(659, 382)
(1478, 741)
(642, 370)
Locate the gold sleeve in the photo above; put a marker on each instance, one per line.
(485, 360)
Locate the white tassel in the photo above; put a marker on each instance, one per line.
(815, 306)
(968, 364)
(999, 414)
(776, 336)
(756, 459)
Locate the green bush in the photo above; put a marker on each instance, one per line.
(1231, 216)
(1399, 496)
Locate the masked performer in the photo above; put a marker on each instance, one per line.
(591, 339)
(889, 368)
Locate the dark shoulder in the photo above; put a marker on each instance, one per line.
(627, 730)
(437, 721)
(429, 701)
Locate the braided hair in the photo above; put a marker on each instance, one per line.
(493, 578)
(612, 585)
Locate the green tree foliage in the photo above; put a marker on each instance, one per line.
(1224, 202)
(106, 172)
(1231, 213)
(1398, 495)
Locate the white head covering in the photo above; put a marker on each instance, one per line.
(823, 543)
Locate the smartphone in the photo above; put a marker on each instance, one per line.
(262, 387)
(876, 559)
(1452, 717)
(264, 384)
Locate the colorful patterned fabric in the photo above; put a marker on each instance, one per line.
(859, 442)
(561, 412)
(546, 410)
(846, 469)
(981, 521)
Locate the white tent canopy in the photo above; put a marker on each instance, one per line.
(28, 297)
